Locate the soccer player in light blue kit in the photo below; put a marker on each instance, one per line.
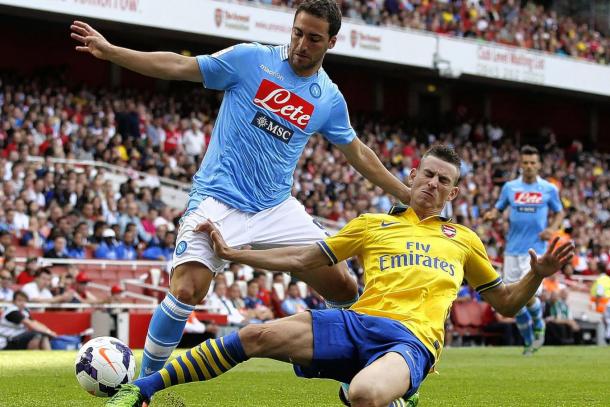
(530, 198)
(276, 97)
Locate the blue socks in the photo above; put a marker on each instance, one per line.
(535, 312)
(524, 323)
(164, 333)
(204, 362)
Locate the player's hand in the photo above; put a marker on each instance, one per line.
(546, 234)
(554, 259)
(221, 248)
(93, 42)
(489, 216)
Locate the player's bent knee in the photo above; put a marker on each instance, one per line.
(365, 394)
(190, 282)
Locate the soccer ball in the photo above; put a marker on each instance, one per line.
(104, 363)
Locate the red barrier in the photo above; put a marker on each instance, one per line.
(64, 322)
(138, 326)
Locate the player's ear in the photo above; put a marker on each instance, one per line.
(332, 41)
(454, 193)
(411, 177)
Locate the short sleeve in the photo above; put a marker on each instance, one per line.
(503, 200)
(554, 201)
(478, 270)
(347, 243)
(223, 69)
(338, 129)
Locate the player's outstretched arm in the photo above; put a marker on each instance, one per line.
(292, 258)
(162, 65)
(364, 160)
(508, 299)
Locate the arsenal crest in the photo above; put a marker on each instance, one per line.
(448, 231)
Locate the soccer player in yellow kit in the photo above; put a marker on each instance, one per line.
(386, 343)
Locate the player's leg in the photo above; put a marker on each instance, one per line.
(288, 224)
(534, 307)
(511, 274)
(194, 264)
(289, 339)
(380, 383)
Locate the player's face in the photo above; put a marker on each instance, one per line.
(530, 165)
(433, 183)
(309, 42)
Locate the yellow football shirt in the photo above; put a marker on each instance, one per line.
(413, 268)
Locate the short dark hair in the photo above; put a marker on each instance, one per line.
(529, 150)
(325, 9)
(20, 293)
(292, 283)
(252, 281)
(447, 154)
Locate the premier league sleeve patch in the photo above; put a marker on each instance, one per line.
(181, 248)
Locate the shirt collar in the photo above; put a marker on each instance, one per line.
(400, 208)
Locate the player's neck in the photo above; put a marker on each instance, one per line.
(530, 180)
(423, 213)
(305, 73)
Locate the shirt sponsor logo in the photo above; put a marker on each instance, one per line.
(528, 198)
(273, 128)
(284, 103)
(448, 231)
(272, 73)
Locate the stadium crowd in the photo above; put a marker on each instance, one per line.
(510, 22)
(67, 210)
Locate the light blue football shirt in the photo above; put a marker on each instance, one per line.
(266, 118)
(529, 211)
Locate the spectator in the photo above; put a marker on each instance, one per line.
(193, 141)
(81, 294)
(108, 248)
(164, 251)
(257, 310)
(132, 217)
(6, 281)
(76, 249)
(561, 327)
(293, 304)
(127, 249)
(38, 290)
(219, 302)
(19, 331)
(263, 293)
(27, 275)
(33, 236)
(59, 250)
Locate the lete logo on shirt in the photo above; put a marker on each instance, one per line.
(286, 104)
(528, 198)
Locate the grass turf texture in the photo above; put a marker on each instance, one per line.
(555, 376)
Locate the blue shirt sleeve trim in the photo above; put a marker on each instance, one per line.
(489, 285)
(329, 253)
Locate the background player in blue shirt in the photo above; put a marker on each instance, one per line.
(276, 97)
(530, 198)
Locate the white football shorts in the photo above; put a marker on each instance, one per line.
(287, 224)
(515, 268)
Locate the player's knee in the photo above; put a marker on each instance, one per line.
(365, 395)
(256, 339)
(185, 294)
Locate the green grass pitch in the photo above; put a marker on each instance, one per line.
(555, 376)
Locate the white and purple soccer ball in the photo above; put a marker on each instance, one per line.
(104, 363)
